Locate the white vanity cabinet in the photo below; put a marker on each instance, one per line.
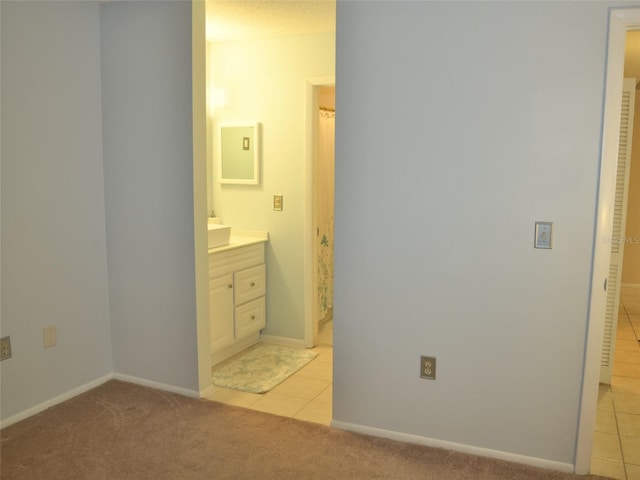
(221, 312)
(237, 289)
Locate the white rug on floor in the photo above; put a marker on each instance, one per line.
(261, 368)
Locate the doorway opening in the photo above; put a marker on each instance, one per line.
(611, 455)
(323, 183)
(239, 49)
(621, 21)
(319, 210)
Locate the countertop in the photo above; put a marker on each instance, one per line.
(242, 238)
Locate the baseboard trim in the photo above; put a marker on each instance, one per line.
(29, 412)
(458, 447)
(234, 348)
(157, 385)
(286, 341)
(55, 400)
(630, 285)
(207, 392)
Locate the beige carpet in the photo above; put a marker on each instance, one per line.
(123, 431)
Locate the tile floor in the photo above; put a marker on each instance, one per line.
(616, 443)
(306, 395)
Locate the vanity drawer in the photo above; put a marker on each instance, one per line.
(236, 259)
(250, 317)
(249, 284)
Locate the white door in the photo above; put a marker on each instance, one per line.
(618, 233)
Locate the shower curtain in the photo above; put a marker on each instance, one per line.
(325, 184)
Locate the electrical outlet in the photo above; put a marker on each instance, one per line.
(428, 368)
(49, 336)
(5, 348)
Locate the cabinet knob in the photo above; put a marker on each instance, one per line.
(230, 285)
(253, 317)
(253, 284)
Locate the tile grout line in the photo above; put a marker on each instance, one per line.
(307, 401)
(311, 400)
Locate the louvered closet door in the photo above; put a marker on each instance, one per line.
(618, 233)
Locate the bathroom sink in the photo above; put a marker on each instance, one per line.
(218, 235)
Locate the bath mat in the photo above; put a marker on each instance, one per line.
(261, 368)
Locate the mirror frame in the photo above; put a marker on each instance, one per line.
(256, 141)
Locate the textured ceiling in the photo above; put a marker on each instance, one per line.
(254, 19)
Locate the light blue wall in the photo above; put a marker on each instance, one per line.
(54, 265)
(461, 124)
(148, 164)
(88, 89)
(493, 124)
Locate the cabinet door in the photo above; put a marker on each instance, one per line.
(221, 312)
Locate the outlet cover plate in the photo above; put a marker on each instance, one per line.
(5, 348)
(428, 367)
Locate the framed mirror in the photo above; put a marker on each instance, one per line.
(239, 153)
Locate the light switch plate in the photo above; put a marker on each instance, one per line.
(544, 235)
(49, 337)
(277, 203)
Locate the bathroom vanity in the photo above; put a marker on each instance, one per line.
(237, 288)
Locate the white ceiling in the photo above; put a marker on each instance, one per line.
(254, 19)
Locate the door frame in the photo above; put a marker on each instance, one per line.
(312, 87)
(620, 21)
